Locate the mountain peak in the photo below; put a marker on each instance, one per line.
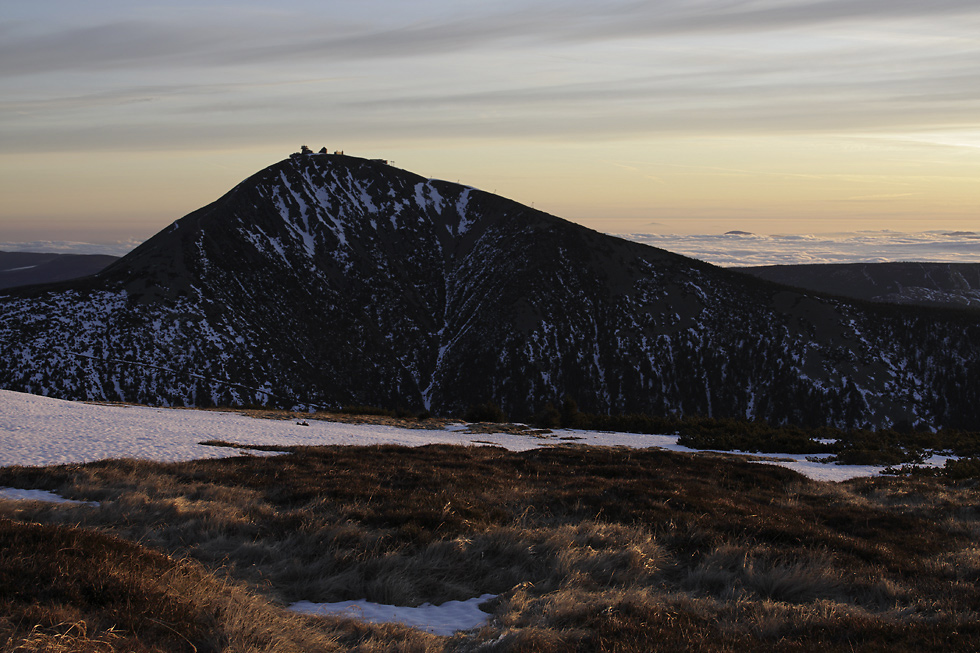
(336, 280)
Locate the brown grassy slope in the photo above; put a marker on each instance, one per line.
(591, 549)
(68, 589)
(74, 590)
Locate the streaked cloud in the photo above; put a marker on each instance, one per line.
(309, 31)
(555, 70)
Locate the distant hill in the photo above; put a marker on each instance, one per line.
(343, 281)
(25, 268)
(955, 285)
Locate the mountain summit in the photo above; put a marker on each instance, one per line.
(335, 280)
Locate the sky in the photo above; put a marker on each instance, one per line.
(776, 117)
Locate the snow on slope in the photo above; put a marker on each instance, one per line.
(40, 431)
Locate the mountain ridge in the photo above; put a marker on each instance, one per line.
(30, 268)
(335, 280)
(951, 285)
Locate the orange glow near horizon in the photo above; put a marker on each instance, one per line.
(761, 184)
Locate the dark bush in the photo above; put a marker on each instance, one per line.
(485, 412)
(367, 410)
(548, 418)
(962, 469)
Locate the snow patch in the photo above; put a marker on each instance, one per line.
(427, 195)
(17, 494)
(461, 205)
(443, 619)
(366, 200)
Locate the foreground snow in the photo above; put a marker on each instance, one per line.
(443, 619)
(16, 494)
(39, 431)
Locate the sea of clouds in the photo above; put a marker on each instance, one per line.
(731, 249)
(743, 249)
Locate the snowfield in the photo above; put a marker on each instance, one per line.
(40, 431)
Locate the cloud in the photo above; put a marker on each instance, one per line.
(733, 249)
(209, 38)
(113, 248)
(647, 19)
(747, 249)
(141, 43)
(203, 115)
(130, 44)
(199, 77)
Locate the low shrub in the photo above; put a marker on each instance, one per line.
(964, 468)
(485, 412)
(368, 410)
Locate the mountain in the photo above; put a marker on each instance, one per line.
(952, 285)
(335, 280)
(25, 268)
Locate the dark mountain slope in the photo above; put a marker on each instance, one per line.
(25, 268)
(951, 285)
(336, 280)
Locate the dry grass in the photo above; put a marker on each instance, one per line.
(72, 589)
(590, 549)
